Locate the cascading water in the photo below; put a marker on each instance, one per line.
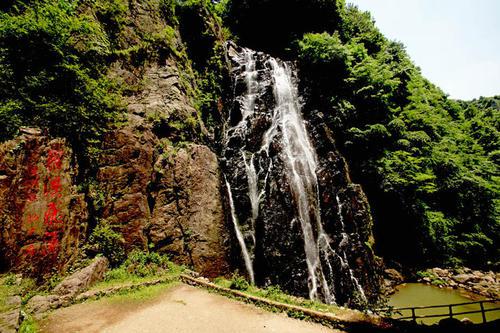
(343, 259)
(271, 169)
(300, 162)
(239, 235)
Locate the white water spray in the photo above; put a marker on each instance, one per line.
(239, 236)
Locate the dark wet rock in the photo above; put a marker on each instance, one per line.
(278, 252)
(393, 275)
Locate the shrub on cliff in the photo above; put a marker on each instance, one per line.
(104, 240)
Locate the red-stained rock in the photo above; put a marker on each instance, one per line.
(43, 216)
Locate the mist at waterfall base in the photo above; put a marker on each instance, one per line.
(286, 202)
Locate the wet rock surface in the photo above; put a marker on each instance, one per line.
(265, 202)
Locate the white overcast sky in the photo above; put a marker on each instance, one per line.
(456, 43)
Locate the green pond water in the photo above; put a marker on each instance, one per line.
(417, 294)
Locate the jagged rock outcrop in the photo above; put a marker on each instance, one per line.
(188, 215)
(165, 195)
(126, 166)
(42, 215)
(156, 191)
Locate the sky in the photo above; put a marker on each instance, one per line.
(456, 43)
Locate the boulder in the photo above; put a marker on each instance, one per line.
(10, 320)
(40, 304)
(82, 279)
(394, 275)
(489, 279)
(462, 278)
(441, 272)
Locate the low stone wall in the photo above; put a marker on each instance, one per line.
(354, 319)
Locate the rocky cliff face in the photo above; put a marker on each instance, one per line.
(155, 193)
(156, 182)
(188, 220)
(158, 190)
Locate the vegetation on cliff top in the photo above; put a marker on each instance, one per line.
(57, 60)
(53, 62)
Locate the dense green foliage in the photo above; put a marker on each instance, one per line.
(428, 163)
(139, 264)
(239, 282)
(52, 60)
(201, 29)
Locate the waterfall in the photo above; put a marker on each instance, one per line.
(300, 161)
(268, 153)
(343, 259)
(239, 235)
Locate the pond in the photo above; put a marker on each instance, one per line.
(418, 294)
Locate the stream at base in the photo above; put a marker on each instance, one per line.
(418, 294)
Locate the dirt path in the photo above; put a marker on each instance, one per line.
(182, 309)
